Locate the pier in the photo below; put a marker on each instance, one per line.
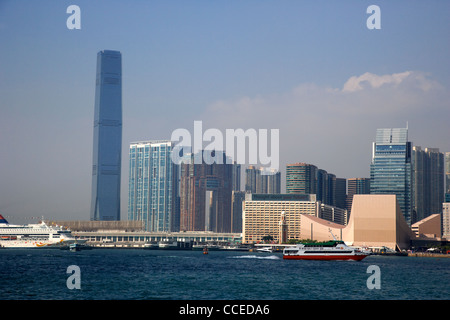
(124, 239)
(428, 254)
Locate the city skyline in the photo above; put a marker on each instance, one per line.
(315, 72)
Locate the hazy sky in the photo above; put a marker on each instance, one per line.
(311, 69)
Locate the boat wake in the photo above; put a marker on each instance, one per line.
(257, 257)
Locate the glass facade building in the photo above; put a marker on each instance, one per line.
(390, 170)
(153, 186)
(301, 178)
(105, 200)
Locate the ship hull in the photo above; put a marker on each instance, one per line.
(325, 257)
(34, 244)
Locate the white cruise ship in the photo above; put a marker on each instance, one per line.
(34, 235)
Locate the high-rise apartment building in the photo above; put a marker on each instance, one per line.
(428, 182)
(390, 170)
(259, 181)
(153, 186)
(323, 184)
(341, 193)
(447, 172)
(236, 176)
(107, 151)
(205, 195)
(237, 199)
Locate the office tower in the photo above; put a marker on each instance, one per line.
(331, 192)
(273, 182)
(153, 186)
(205, 195)
(356, 186)
(447, 172)
(390, 169)
(428, 182)
(322, 185)
(341, 193)
(236, 176)
(259, 181)
(301, 178)
(105, 201)
(253, 181)
(237, 198)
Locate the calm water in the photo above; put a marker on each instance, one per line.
(113, 274)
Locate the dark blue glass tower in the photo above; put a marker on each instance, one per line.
(105, 202)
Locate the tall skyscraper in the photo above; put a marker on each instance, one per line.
(205, 195)
(428, 182)
(105, 201)
(153, 186)
(390, 170)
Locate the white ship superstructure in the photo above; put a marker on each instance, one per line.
(34, 235)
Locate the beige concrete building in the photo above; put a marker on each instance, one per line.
(430, 227)
(377, 221)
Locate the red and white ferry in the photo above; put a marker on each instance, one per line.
(331, 250)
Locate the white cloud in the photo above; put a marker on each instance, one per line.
(356, 83)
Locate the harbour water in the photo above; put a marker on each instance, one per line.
(137, 274)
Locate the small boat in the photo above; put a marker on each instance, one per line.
(150, 245)
(265, 249)
(205, 250)
(209, 246)
(331, 250)
(74, 247)
(167, 244)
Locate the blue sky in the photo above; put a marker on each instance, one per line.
(232, 64)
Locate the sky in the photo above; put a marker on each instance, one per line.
(311, 69)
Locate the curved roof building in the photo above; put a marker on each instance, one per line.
(375, 221)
